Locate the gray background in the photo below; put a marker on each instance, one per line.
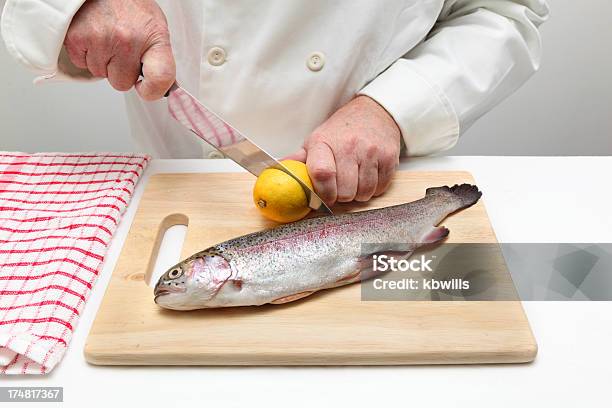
(565, 109)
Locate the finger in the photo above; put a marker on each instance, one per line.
(159, 71)
(347, 173)
(322, 170)
(76, 55)
(123, 71)
(97, 60)
(385, 176)
(300, 155)
(75, 41)
(368, 180)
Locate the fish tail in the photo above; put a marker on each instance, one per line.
(466, 195)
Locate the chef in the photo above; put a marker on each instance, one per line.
(345, 86)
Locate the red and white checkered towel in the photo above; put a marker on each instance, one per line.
(58, 213)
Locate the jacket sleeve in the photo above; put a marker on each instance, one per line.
(34, 32)
(478, 53)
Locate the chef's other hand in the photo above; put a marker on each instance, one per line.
(111, 38)
(353, 154)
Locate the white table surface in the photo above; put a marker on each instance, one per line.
(529, 199)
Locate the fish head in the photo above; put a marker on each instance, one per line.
(194, 282)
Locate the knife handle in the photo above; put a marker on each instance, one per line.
(142, 75)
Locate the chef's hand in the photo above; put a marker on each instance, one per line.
(354, 153)
(111, 38)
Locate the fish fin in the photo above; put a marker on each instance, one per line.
(291, 298)
(353, 277)
(434, 234)
(466, 194)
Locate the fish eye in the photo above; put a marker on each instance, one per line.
(175, 273)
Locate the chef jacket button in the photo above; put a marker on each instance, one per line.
(216, 56)
(215, 154)
(315, 61)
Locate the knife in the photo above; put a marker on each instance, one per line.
(208, 126)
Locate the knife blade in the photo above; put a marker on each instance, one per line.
(209, 126)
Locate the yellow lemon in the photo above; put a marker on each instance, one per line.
(278, 196)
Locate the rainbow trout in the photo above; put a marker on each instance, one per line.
(292, 261)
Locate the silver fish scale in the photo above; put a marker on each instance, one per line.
(293, 260)
(316, 253)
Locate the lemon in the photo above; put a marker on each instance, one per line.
(278, 196)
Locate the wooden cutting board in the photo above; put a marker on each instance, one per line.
(331, 327)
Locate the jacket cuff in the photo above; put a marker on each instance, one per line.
(420, 108)
(34, 31)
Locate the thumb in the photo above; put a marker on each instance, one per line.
(300, 155)
(158, 69)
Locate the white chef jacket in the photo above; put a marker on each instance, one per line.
(276, 69)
